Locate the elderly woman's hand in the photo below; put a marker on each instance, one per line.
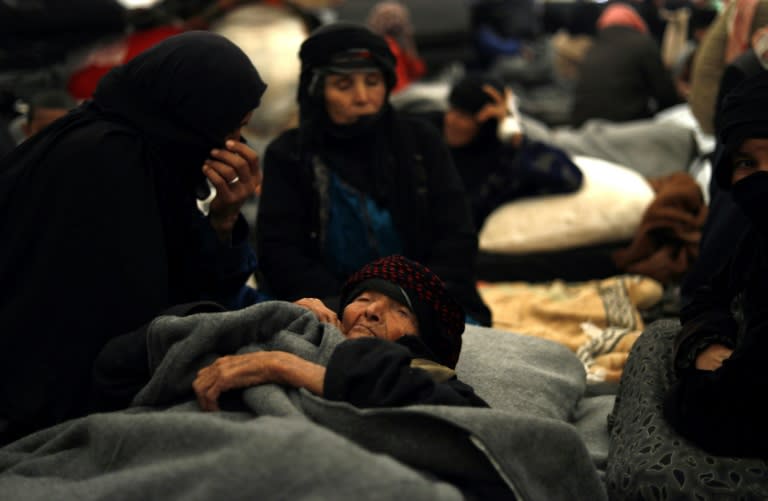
(236, 174)
(321, 311)
(251, 369)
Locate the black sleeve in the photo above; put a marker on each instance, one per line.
(122, 367)
(372, 372)
(707, 319)
(289, 256)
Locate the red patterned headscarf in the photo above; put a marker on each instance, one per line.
(440, 318)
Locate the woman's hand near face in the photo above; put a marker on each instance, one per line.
(496, 109)
(236, 174)
(251, 369)
(321, 311)
(712, 357)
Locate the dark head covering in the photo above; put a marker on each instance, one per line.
(441, 320)
(184, 95)
(167, 107)
(468, 95)
(190, 90)
(742, 115)
(336, 48)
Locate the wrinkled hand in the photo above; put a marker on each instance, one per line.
(712, 357)
(321, 311)
(251, 369)
(236, 174)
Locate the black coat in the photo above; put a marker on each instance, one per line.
(620, 73)
(100, 222)
(428, 205)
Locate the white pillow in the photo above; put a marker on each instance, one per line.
(607, 208)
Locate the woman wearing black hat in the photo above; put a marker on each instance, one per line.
(403, 335)
(495, 160)
(722, 349)
(101, 226)
(355, 181)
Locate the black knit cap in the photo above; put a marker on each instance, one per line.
(339, 47)
(743, 114)
(441, 319)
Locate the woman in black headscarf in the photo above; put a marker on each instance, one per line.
(721, 352)
(355, 181)
(102, 229)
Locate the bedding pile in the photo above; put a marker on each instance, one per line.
(273, 441)
(599, 320)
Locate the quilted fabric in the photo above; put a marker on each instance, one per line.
(647, 459)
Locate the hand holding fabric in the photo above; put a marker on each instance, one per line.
(251, 369)
(321, 311)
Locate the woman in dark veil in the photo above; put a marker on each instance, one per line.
(101, 223)
(357, 181)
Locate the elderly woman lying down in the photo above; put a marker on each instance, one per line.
(403, 334)
(276, 438)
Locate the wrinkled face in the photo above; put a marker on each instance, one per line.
(349, 96)
(459, 128)
(751, 157)
(372, 314)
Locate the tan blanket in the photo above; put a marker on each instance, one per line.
(598, 320)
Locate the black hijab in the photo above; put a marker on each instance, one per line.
(62, 297)
(359, 153)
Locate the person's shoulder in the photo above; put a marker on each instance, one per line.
(419, 129)
(286, 140)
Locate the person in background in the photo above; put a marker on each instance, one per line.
(495, 160)
(722, 348)
(392, 20)
(622, 76)
(102, 226)
(357, 181)
(40, 110)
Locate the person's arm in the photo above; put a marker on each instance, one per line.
(288, 249)
(372, 372)
(709, 330)
(251, 369)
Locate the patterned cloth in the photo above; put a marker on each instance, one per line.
(647, 459)
(440, 318)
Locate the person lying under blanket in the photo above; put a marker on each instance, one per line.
(403, 339)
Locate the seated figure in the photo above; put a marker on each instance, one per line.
(357, 181)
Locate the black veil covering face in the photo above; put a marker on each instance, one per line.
(94, 211)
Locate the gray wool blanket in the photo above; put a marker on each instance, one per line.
(283, 443)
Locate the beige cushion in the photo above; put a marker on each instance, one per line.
(607, 208)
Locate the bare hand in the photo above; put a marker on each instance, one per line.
(497, 109)
(321, 311)
(251, 369)
(712, 357)
(236, 174)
